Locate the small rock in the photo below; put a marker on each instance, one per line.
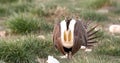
(114, 29)
(83, 47)
(40, 60)
(103, 11)
(1, 28)
(64, 56)
(41, 36)
(88, 50)
(3, 33)
(119, 18)
(2, 61)
(51, 59)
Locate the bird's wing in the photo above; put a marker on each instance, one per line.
(79, 36)
(57, 39)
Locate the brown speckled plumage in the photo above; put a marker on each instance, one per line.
(81, 37)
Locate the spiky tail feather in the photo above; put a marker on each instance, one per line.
(90, 38)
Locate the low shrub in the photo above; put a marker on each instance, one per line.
(116, 8)
(19, 7)
(4, 10)
(116, 11)
(109, 46)
(25, 50)
(41, 48)
(38, 11)
(92, 15)
(23, 24)
(13, 52)
(99, 3)
(7, 1)
(12, 1)
(45, 26)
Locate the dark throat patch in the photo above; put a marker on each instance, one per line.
(68, 22)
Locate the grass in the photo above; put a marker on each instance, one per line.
(28, 17)
(12, 1)
(4, 10)
(106, 51)
(23, 23)
(38, 12)
(116, 9)
(11, 7)
(91, 4)
(99, 3)
(19, 7)
(45, 26)
(109, 46)
(25, 50)
(7, 1)
(91, 58)
(14, 53)
(92, 15)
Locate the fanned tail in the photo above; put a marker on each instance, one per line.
(91, 37)
(90, 34)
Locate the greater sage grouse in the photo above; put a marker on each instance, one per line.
(70, 34)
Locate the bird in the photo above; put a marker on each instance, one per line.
(70, 34)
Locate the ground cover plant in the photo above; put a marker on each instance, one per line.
(24, 21)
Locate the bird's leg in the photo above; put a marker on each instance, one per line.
(69, 55)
